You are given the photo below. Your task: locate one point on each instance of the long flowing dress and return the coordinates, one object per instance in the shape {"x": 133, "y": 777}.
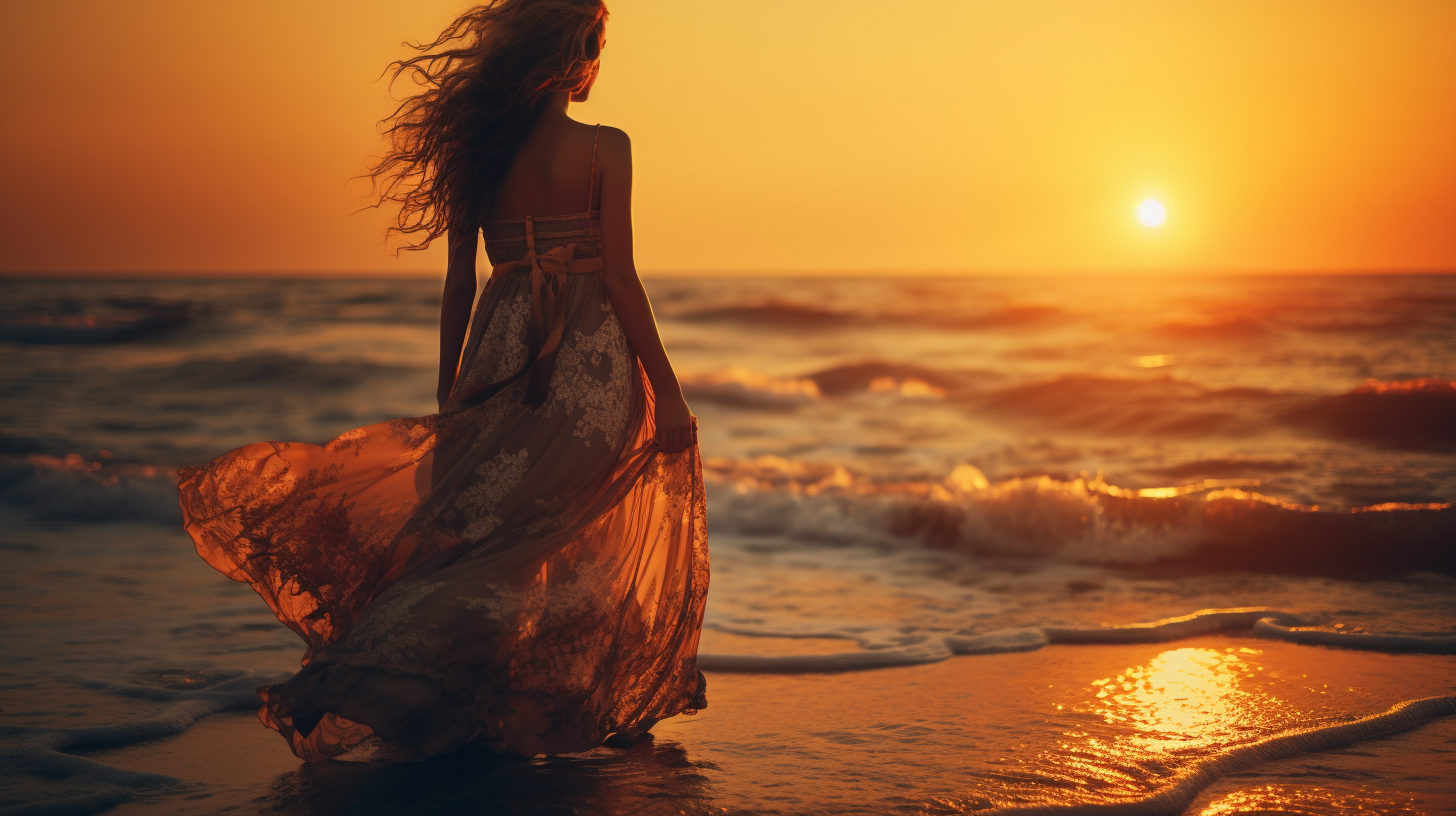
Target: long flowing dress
{"x": 525, "y": 571}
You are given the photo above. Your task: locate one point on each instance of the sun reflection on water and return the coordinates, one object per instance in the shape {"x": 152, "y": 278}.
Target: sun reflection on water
{"x": 1186, "y": 699}
{"x": 1137, "y": 730}
{"x": 1311, "y": 800}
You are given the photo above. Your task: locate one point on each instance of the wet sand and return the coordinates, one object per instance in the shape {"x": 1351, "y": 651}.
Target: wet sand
{"x": 961, "y": 735}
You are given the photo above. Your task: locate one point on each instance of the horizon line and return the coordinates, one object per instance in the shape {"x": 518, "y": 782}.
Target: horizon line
{"x": 860, "y": 273}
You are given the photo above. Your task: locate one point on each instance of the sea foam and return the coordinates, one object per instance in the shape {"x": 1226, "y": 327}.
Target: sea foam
{"x": 1186, "y": 784}
{"x": 873, "y": 654}
{"x": 1209, "y": 525}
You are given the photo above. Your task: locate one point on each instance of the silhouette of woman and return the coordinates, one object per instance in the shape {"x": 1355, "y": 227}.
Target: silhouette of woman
{"x": 525, "y": 570}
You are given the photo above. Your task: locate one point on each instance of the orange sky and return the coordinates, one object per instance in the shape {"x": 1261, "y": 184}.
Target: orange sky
{"x": 801, "y": 136}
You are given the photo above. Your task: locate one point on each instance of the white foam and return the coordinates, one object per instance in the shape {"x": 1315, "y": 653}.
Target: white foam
{"x": 1211, "y": 524}
{"x": 1377, "y": 642}
{"x": 929, "y": 651}
{"x": 1202, "y": 622}
{"x": 877, "y": 653}
{"x": 1040, "y": 517}
{"x": 1186, "y": 785}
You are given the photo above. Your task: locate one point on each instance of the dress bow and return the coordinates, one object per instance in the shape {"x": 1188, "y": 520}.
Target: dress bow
{"x": 548, "y": 315}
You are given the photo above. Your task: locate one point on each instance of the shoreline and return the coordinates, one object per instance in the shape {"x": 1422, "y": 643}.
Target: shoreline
{"x": 952, "y": 736}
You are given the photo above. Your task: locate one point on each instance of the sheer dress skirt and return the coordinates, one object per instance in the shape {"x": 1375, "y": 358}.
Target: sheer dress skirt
{"x": 526, "y": 577}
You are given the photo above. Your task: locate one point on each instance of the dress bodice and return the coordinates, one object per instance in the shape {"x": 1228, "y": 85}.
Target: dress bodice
{"x": 509, "y": 240}
{"x": 545, "y": 248}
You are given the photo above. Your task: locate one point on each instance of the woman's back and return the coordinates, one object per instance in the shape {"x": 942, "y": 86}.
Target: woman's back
{"x": 552, "y": 172}
{"x": 526, "y": 570}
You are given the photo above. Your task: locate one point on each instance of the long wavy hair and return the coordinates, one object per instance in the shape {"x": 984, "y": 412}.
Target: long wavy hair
{"x": 482, "y": 84}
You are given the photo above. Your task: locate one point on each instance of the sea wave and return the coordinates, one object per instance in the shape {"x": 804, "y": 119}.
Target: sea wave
{"x": 875, "y": 375}
{"x": 1209, "y": 525}
{"x": 1223, "y": 468}
{"x": 1006, "y": 318}
{"x": 742, "y": 388}
{"x": 786, "y": 314}
{"x": 1228, "y": 329}
{"x": 790, "y": 314}
{"x": 1159, "y": 406}
{"x": 131, "y": 318}
{"x": 1404, "y": 414}
{"x": 74, "y": 488}
{"x": 1408, "y": 414}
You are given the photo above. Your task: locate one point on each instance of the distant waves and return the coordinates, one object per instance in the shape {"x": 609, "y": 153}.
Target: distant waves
{"x": 1410, "y": 414}
{"x": 1405, "y": 414}
{"x": 1213, "y": 525}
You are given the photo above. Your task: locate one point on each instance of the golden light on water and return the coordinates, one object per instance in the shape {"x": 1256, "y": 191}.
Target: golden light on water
{"x": 1137, "y": 729}
{"x": 1297, "y": 798}
{"x": 908, "y": 387}
{"x": 1152, "y": 213}
{"x": 1184, "y": 698}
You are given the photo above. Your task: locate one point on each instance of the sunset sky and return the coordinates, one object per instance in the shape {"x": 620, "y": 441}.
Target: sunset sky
{"x": 770, "y": 136}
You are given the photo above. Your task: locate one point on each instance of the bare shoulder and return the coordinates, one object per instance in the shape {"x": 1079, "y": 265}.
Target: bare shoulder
{"x": 614, "y": 147}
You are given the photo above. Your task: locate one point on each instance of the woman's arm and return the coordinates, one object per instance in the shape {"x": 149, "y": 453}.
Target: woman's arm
{"x": 455, "y": 307}
{"x": 629, "y": 299}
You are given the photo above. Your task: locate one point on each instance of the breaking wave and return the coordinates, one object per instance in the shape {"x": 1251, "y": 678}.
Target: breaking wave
{"x": 1210, "y": 525}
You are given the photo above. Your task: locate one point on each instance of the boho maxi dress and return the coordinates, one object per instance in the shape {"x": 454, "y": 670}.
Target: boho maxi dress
{"x": 524, "y": 571}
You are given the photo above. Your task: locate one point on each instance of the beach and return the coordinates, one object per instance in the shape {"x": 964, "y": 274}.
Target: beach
{"x": 947, "y": 738}
{"x": 976, "y": 544}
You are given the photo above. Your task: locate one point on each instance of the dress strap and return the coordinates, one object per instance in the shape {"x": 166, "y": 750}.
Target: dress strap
{"x": 591, "y": 188}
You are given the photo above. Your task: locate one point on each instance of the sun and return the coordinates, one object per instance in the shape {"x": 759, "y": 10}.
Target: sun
{"x": 1151, "y": 213}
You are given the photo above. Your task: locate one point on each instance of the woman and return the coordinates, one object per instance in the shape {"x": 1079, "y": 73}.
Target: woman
{"x": 527, "y": 569}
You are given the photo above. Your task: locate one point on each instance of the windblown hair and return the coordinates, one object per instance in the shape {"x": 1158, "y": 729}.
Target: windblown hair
{"x": 483, "y": 82}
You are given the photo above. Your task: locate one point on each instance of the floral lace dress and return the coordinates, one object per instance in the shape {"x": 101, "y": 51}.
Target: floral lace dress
{"x": 525, "y": 570}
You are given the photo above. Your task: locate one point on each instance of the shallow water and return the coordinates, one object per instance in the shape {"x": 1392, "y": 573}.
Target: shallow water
{"x": 900, "y": 472}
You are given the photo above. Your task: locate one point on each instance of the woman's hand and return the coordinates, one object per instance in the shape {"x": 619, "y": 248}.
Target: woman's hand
{"x": 677, "y": 428}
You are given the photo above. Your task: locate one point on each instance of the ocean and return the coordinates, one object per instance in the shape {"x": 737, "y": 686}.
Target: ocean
{"x": 906, "y": 475}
